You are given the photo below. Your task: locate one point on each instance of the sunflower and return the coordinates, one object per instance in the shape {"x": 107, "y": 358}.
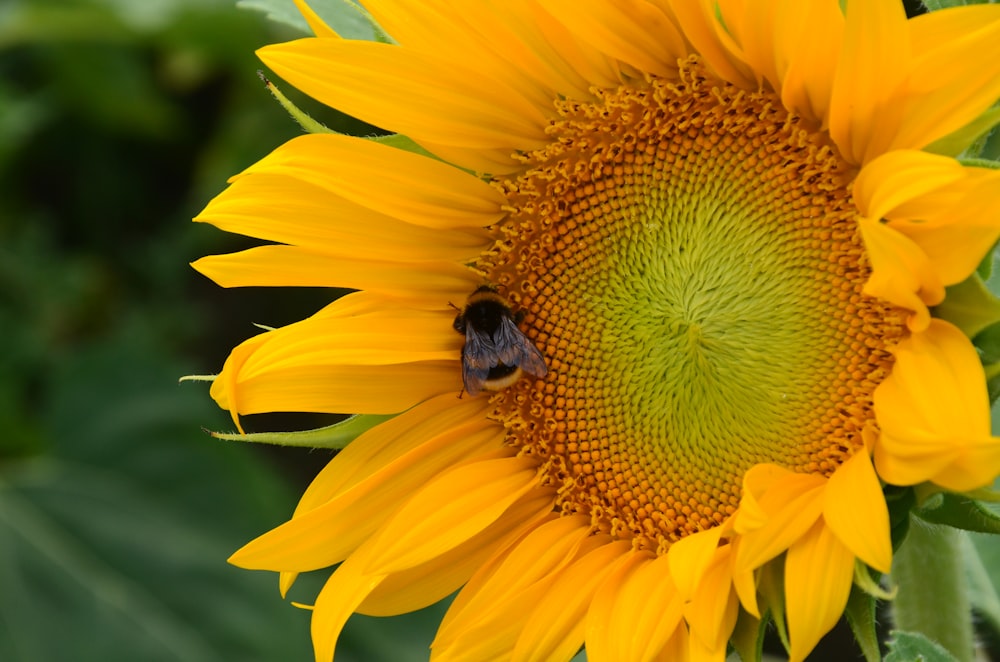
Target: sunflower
{"x": 725, "y": 226}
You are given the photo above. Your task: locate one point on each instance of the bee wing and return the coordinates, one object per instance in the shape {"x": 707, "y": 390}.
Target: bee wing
{"x": 477, "y": 359}
{"x": 515, "y": 349}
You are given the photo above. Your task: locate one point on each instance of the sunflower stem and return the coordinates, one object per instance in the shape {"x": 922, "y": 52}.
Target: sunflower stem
{"x": 933, "y": 597}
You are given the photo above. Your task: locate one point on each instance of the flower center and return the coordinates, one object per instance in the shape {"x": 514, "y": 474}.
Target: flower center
{"x": 688, "y": 260}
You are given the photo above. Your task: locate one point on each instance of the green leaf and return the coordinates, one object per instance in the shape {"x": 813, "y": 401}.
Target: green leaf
{"x": 123, "y": 526}
{"x": 333, "y": 437}
{"x": 915, "y": 647}
{"x": 970, "y": 306}
{"x": 968, "y": 137}
{"x": 346, "y": 18}
{"x": 959, "y": 512}
{"x": 860, "y": 614}
{"x": 982, "y": 564}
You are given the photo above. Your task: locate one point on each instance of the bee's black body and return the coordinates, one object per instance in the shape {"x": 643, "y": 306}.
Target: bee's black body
{"x": 496, "y": 352}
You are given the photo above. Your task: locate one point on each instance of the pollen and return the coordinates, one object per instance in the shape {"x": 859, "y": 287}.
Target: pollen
{"x": 687, "y": 257}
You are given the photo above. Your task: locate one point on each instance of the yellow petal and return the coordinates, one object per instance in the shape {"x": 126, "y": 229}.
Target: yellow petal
{"x": 701, "y": 26}
{"x": 792, "y": 505}
{"x": 318, "y": 26}
{"x": 744, "y": 583}
{"x": 425, "y": 584}
{"x": 495, "y": 639}
{"x": 390, "y": 181}
{"x": 956, "y": 72}
{"x": 291, "y": 266}
{"x": 808, "y": 39}
{"x": 697, "y": 651}
{"x": 604, "y": 641}
{"x": 901, "y": 272}
{"x": 874, "y": 63}
{"x": 647, "y": 613}
{"x": 325, "y": 535}
{"x": 527, "y": 37}
{"x": 690, "y": 557}
{"x": 933, "y": 411}
{"x": 501, "y": 38}
{"x": 711, "y": 614}
{"x": 959, "y": 225}
{"x": 854, "y": 509}
{"x": 337, "y": 600}
{"x": 379, "y": 338}
{"x": 593, "y": 66}
{"x": 555, "y": 628}
{"x": 288, "y": 210}
{"x": 895, "y": 178}
{"x": 295, "y": 368}
{"x": 531, "y": 563}
{"x": 818, "y": 575}
{"x": 634, "y": 32}
{"x": 756, "y": 25}
{"x": 542, "y": 551}
{"x": 449, "y": 510}
{"x": 421, "y": 95}
{"x": 756, "y": 482}
{"x": 444, "y": 416}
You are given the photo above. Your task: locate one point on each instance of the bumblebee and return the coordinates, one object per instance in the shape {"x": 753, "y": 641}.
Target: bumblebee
{"x": 496, "y": 352}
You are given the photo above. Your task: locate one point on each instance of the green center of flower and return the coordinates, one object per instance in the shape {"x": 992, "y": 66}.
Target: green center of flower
{"x": 689, "y": 262}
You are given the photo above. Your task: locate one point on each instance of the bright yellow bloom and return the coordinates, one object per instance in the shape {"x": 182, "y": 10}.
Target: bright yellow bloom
{"x": 726, "y": 224}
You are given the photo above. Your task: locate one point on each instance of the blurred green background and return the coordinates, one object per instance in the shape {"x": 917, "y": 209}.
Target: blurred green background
{"x": 119, "y": 120}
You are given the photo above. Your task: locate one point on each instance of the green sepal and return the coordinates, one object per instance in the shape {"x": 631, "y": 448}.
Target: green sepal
{"x": 985, "y": 268}
{"x": 959, "y": 512}
{"x": 309, "y": 125}
{"x": 860, "y": 615}
{"x": 987, "y": 342}
{"x": 198, "y": 378}
{"x": 993, "y": 383}
{"x": 980, "y": 163}
{"x": 399, "y": 141}
{"x": 970, "y": 306}
{"x": 771, "y": 586}
{"x": 989, "y": 147}
{"x": 900, "y": 501}
{"x": 302, "y": 118}
{"x": 912, "y": 646}
{"x": 333, "y": 437}
{"x": 967, "y": 137}
{"x": 869, "y": 584}
{"x": 936, "y": 5}
{"x": 748, "y": 636}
